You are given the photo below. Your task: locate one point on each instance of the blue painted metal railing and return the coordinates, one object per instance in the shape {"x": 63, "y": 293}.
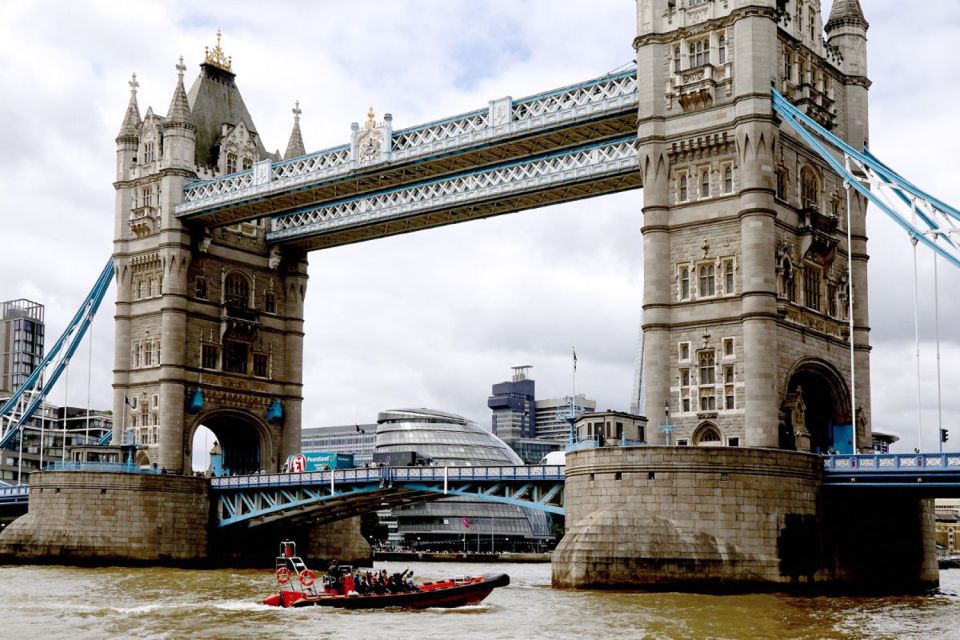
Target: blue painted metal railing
{"x": 14, "y": 494}
{"x": 893, "y": 463}
{"x": 102, "y": 467}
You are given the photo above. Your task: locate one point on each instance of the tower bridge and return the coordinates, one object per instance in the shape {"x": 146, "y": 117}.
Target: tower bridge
{"x": 746, "y": 124}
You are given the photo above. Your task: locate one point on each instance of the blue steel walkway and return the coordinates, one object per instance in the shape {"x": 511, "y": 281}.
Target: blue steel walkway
{"x": 333, "y": 495}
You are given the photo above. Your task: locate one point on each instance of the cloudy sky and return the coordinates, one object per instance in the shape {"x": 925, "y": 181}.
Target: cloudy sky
{"x": 431, "y": 319}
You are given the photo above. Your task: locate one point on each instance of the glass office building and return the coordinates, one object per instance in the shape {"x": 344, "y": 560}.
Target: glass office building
{"x": 456, "y": 524}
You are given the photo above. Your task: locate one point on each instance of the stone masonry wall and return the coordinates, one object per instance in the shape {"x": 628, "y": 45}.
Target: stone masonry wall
{"x": 658, "y": 517}
{"x": 100, "y": 518}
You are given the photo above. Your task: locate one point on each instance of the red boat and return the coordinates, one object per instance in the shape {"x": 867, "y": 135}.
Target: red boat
{"x": 300, "y": 587}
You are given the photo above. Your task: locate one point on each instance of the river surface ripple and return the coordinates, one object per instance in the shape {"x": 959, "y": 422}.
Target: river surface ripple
{"x": 65, "y": 602}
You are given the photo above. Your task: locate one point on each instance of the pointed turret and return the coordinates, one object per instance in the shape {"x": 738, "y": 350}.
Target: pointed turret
{"x": 179, "y": 111}
{"x": 179, "y": 131}
{"x": 130, "y": 129}
{"x": 295, "y": 147}
{"x": 846, "y": 13}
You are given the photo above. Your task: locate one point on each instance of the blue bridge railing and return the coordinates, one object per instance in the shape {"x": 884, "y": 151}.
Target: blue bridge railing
{"x": 103, "y": 467}
{"x": 893, "y": 462}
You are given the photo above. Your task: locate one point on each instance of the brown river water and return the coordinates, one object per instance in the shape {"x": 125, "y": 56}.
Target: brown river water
{"x": 64, "y": 602}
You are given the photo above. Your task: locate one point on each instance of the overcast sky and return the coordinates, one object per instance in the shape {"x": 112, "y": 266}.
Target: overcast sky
{"x": 433, "y": 318}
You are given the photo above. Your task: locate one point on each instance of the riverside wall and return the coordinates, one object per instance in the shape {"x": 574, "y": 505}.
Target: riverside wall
{"x": 733, "y": 519}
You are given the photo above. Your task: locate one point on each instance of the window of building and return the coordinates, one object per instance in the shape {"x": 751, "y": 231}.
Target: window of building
{"x": 152, "y": 286}
{"x": 733, "y": 442}
{"x": 247, "y": 164}
{"x": 136, "y": 356}
{"x": 811, "y": 287}
{"x": 722, "y": 49}
{"x": 155, "y": 400}
{"x": 705, "y": 183}
{"x": 684, "y": 351}
{"x": 708, "y": 280}
{"x": 728, "y": 347}
{"x": 787, "y": 65}
{"x": 684, "y": 281}
{"x": 729, "y": 286}
{"x": 832, "y": 300}
{"x": 728, "y": 178}
{"x": 708, "y": 435}
{"x": 676, "y": 59}
{"x": 156, "y": 353}
{"x": 261, "y": 362}
{"x": 235, "y": 357}
{"x": 149, "y": 152}
{"x": 708, "y": 399}
{"x": 707, "y": 361}
{"x": 813, "y": 23}
{"x": 729, "y": 396}
{"x": 231, "y": 163}
{"x": 699, "y": 51}
{"x": 236, "y": 291}
{"x": 200, "y": 287}
{"x": 683, "y": 190}
{"x": 209, "y": 356}
{"x": 782, "y": 178}
{"x": 684, "y": 390}
{"x": 270, "y": 302}
{"x": 809, "y": 189}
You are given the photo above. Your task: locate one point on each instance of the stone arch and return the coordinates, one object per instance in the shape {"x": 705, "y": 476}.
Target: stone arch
{"x": 244, "y": 438}
{"x": 142, "y": 459}
{"x": 708, "y": 434}
{"x": 814, "y": 407}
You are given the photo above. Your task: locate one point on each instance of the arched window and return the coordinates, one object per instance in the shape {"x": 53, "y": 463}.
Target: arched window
{"x": 684, "y": 191}
{"x": 699, "y": 53}
{"x": 236, "y": 291}
{"x": 708, "y": 280}
{"x": 705, "y": 183}
{"x": 728, "y": 179}
{"x": 809, "y": 189}
{"x": 722, "y": 49}
{"x": 708, "y": 435}
{"x": 247, "y": 164}
{"x": 676, "y": 59}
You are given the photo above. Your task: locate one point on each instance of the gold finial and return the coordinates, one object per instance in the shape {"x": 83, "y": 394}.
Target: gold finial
{"x": 371, "y": 122}
{"x": 216, "y": 57}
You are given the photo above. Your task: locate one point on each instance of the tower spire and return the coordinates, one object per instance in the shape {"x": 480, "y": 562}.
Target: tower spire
{"x": 295, "y": 146}
{"x": 846, "y": 12}
{"x": 130, "y": 128}
{"x": 179, "y": 111}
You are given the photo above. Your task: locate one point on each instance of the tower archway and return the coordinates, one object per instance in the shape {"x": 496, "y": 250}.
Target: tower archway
{"x": 815, "y": 410}
{"x": 243, "y": 439}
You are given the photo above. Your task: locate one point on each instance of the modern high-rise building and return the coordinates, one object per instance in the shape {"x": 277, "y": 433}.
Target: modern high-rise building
{"x": 21, "y": 342}
{"x": 512, "y": 403}
{"x": 360, "y": 440}
{"x": 552, "y": 420}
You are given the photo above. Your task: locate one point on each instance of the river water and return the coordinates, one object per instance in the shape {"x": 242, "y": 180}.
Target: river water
{"x": 66, "y": 602}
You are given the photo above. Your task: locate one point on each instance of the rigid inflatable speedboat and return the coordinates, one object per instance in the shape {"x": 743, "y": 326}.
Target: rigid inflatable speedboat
{"x": 300, "y": 587}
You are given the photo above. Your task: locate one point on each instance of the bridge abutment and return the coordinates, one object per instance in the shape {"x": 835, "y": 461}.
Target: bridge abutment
{"x": 732, "y": 519}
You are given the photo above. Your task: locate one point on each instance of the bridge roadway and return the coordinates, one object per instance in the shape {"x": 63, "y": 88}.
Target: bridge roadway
{"x": 326, "y": 496}
{"x": 561, "y": 145}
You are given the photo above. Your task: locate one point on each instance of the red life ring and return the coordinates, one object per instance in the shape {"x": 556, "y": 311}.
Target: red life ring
{"x": 283, "y": 575}
{"x": 307, "y": 577}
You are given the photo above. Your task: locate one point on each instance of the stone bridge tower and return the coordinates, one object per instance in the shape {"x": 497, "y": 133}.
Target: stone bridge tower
{"x": 746, "y": 278}
{"x": 209, "y": 321}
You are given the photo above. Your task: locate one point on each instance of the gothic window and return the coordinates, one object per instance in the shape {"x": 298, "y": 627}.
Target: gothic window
{"x": 809, "y": 189}
{"x": 155, "y": 401}
{"x": 789, "y": 280}
{"x": 153, "y": 287}
{"x": 261, "y": 363}
{"x": 136, "y": 356}
{"x": 270, "y": 302}
{"x": 832, "y": 300}
{"x": 722, "y": 49}
{"x": 684, "y": 278}
{"x": 707, "y": 436}
{"x": 728, "y": 179}
{"x": 811, "y": 287}
{"x": 705, "y": 183}
{"x": 147, "y": 355}
{"x": 787, "y": 65}
{"x": 200, "y": 287}
{"x": 708, "y": 374}
{"x": 234, "y": 357}
{"x": 708, "y": 399}
{"x": 699, "y": 51}
{"x": 209, "y": 356}
{"x": 708, "y": 280}
{"x": 728, "y": 281}
{"x": 813, "y": 22}
{"x": 683, "y": 190}
{"x": 728, "y": 387}
{"x": 683, "y": 352}
{"x": 247, "y": 164}
{"x": 231, "y": 163}
{"x": 141, "y": 289}
{"x": 236, "y": 291}
{"x": 684, "y": 390}
{"x": 156, "y": 353}
{"x": 782, "y": 177}
{"x": 676, "y": 59}
{"x": 149, "y": 152}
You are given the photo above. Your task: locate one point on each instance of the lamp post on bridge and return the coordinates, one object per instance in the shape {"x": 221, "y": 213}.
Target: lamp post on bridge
{"x": 666, "y": 427}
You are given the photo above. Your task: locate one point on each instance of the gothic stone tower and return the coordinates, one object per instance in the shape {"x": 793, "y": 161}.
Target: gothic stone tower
{"x": 745, "y": 252}
{"x": 209, "y": 322}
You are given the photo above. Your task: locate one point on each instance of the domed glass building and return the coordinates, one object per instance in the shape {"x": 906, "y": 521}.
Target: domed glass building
{"x": 456, "y": 523}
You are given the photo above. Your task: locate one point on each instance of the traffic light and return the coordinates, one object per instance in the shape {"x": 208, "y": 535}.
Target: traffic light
{"x": 944, "y": 435}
